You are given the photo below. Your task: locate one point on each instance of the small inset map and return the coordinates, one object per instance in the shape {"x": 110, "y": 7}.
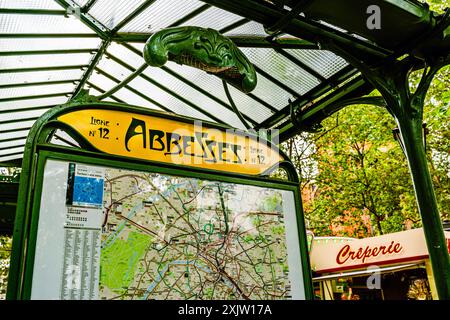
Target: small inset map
{"x": 87, "y": 191}
{"x": 85, "y": 186}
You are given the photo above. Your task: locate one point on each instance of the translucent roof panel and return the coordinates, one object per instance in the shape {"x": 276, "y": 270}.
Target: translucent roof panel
{"x": 13, "y": 135}
{"x": 113, "y": 68}
{"x": 10, "y": 158}
{"x": 126, "y": 55}
{"x": 16, "y": 125}
{"x": 270, "y": 93}
{"x": 14, "y": 143}
{"x": 282, "y": 69}
{"x": 161, "y": 14}
{"x": 166, "y": 99}
{"x": 21, "y": 115}
{"x": 17, "y": 23}
{"x": 33, "y": 44}
{"x": 135, "y": 99}
{"x": 81, "y": 3}
{"x": 40, "y": 76}
{"x": 30, "y": 4}
{"x": 44, "y": 60}
{"x": 195, "y": 96}
{"x": 213, "y": 18}
{"x": 102, "y": 81}
{"x": 214, "y": 86}
{"x": 250, "y": 28}
{"x": 9, "y": 151}
{"x": 119, "y": 72}
{"x": 110, "y": 13}
{"x": 62, "y": 138}
{"x": 28, "y": 103}
{"x": 36, "y": 90}
{"x": 324, "y": 62}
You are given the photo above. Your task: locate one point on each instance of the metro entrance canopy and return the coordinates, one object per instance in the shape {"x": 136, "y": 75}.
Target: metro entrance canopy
{"x": 312, "y": 58}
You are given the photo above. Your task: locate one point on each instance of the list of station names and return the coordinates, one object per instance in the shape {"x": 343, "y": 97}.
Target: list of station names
{"x": 81, "y": 264}
{"x": 82, "y": 241}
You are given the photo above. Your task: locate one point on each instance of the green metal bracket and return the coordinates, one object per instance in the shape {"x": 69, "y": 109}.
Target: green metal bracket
{"x": 86, "y": 18}
{"x": 205, "y": 49}
{"x": 83, "y": 97}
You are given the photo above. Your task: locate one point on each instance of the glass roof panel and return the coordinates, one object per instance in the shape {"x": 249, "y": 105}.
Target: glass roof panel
{"x": 10, "y": 151}
{"x": 193, "y": 95}
{"x": 282, "y": 69}
{"x": 110, "y": 13}
{"x": 160, "y": 15}
{"x": 13, "y": 144}
{"x": 62, "y": 138}
{"x": 16, "y": 23}
{"x": 28, "y": 103}
{"x": 167, "y": 100}
{"x": 126, "y": 55}
{"x": 81, "y": 3}
{"x": 213, "y": 85}
{"x": 134, "y": 99}
{"x": 110, "y": 100}
{"x": 29, "y": 4}
{"x": 113, "y": 68}
{"x": 44, "y": 60}
{"x": 33, "y": 44}
{"x": 213, "y": 18}
{"x": 250, "y": 28}
{"x": 40, "y": 76}
{"x": 210, "y": 83}
{"x": 21, "y": 115}
{"x": 10, "y": 158}
{"x": 13, "y": 135}
{"x": 102, "y": 81}
{"x": 36, "y": 90}
{"x": 270, "y": 93}
{"x": 324, "y": 62}
{"x": 250, "y": 107}
{"x": 17, "y": 125}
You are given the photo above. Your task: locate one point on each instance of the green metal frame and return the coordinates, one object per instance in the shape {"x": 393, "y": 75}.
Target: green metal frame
{"x": 38, "y": 150}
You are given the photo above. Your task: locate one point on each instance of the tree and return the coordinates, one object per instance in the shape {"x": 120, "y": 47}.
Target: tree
{"x": 362, "y": 185}
{"x": 355, "y": 179}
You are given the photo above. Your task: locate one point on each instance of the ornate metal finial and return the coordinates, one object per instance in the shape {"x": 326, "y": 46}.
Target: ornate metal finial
{"x": 205, "y": 49}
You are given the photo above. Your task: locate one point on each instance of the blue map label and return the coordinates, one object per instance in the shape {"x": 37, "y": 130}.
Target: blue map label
{"x": 85, "y": 186}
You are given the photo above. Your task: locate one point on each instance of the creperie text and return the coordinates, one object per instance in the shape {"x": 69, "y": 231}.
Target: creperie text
{"x": 346, "y": 253}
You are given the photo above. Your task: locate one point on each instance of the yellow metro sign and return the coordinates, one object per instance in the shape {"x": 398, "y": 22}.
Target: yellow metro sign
{"x": 160, "y": 139}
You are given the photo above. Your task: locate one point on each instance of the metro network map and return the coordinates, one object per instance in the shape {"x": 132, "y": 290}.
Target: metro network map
{"x": 167, "y": 237}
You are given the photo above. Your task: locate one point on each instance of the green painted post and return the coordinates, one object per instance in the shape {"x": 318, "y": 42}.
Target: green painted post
{"x": 407, "y": 109}
{"x": 411, "y": 131}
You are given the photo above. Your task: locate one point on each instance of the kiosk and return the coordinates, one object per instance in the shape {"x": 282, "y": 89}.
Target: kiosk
{"x": 394, "y": 266}
{"x": 119, "y": 202}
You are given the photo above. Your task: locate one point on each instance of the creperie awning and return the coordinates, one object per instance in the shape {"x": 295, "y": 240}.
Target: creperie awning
{"x": 390, "y": 249}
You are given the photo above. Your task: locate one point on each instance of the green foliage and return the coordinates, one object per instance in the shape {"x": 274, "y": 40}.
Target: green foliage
{"x": 5, "y": 254}
{"x": 362, "y": 178}
{"x": 438, "y": 5}
{"x": 355, "y": 179}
